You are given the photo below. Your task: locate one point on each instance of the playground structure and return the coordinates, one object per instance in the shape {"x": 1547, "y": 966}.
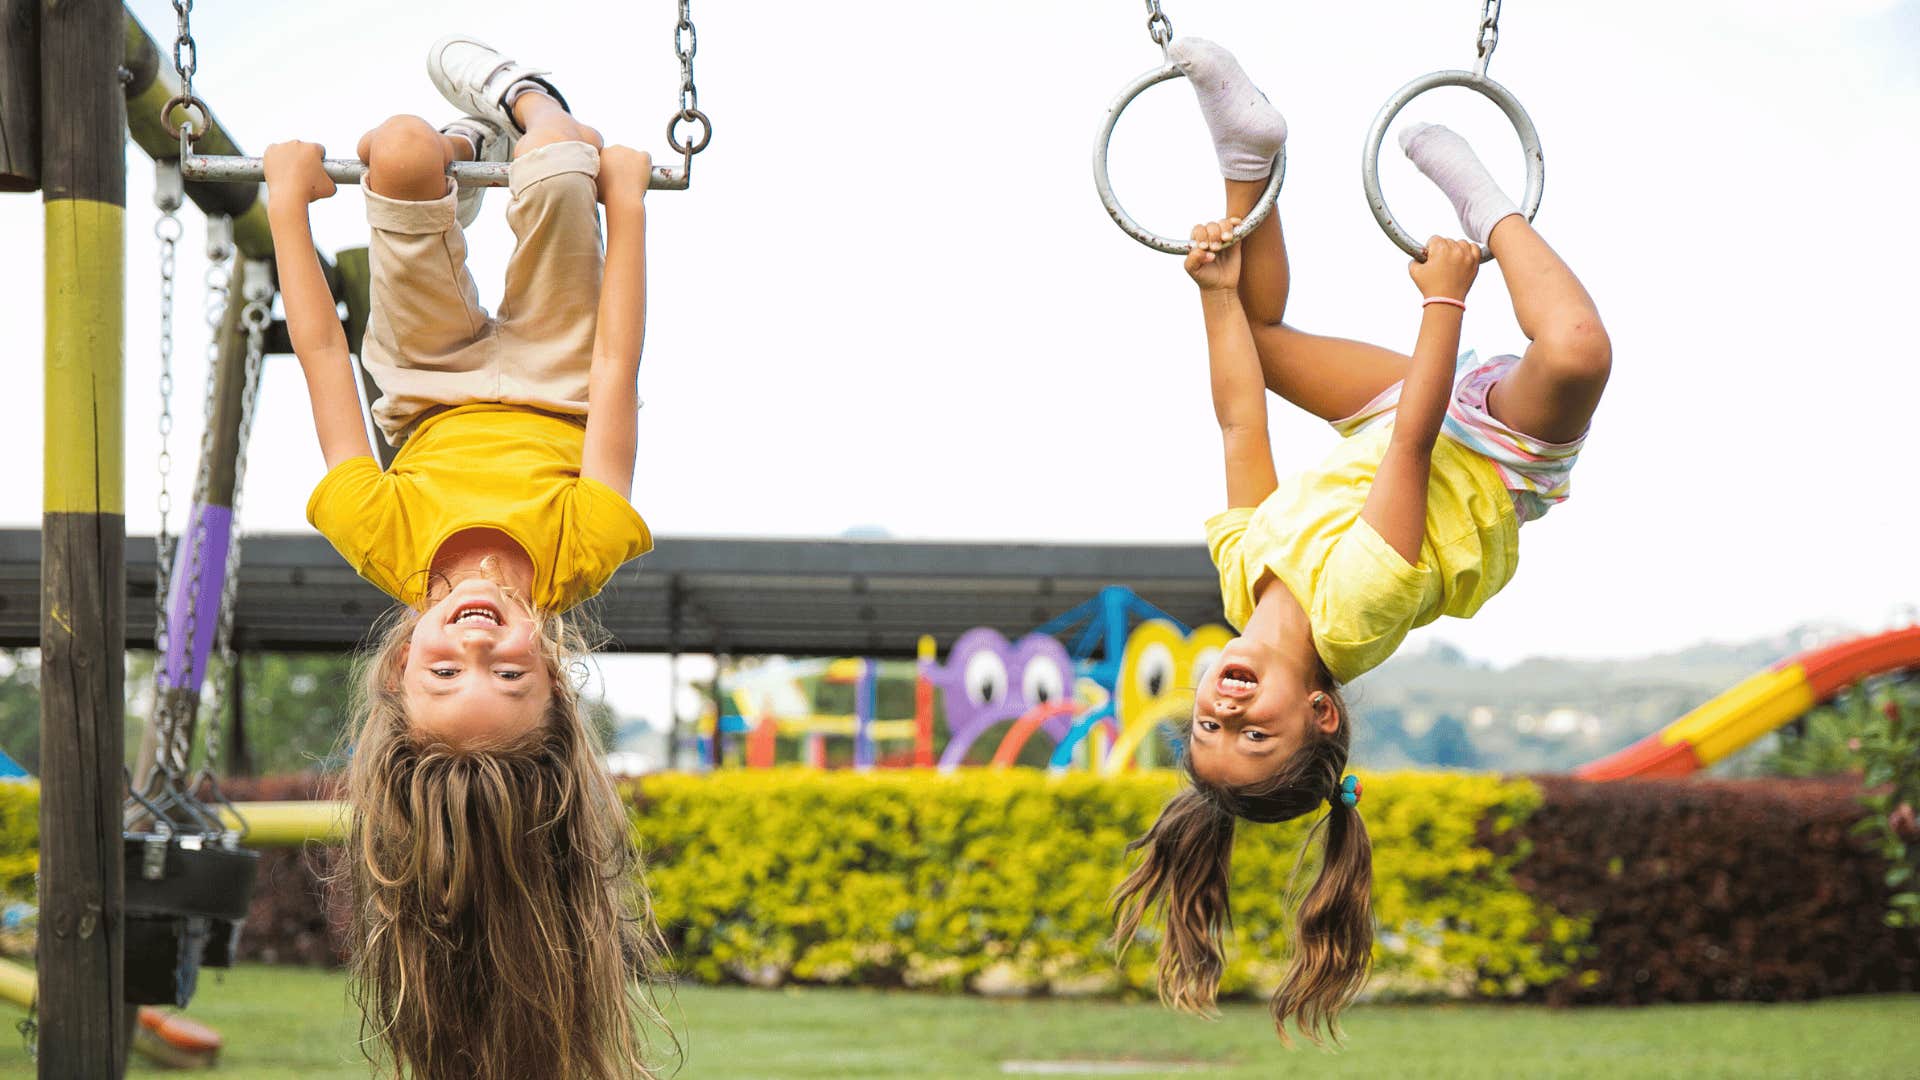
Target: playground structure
{"x": 1124, "y": 668}
{"x": 1761, "y": 704}
{"x": 132, "y": 909}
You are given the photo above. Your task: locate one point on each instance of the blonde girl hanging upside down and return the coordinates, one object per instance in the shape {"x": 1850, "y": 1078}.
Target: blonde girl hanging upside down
{"x": 500, "y": 926}
{"x": 1415, "y": 514}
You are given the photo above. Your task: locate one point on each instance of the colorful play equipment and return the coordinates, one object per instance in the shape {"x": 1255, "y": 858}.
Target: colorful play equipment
{"x": 1782, "y": 693}
{"x": 772, "y": 700}
{"x": 1095, "y": 681}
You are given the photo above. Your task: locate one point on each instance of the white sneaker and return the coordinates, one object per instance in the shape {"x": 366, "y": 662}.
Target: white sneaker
{"x": 490, "y": 142}
{"x": 476, "y": 78}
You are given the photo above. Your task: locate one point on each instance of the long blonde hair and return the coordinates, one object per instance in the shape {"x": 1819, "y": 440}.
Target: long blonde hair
{"x": 501, "y": 928}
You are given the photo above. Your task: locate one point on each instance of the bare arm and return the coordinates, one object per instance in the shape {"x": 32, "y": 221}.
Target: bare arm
{"x": 1239, "y": 386}
{"x": 1396, "y": 507}
{"x": 613, "y": 401}
{"x": 294, "y": 181}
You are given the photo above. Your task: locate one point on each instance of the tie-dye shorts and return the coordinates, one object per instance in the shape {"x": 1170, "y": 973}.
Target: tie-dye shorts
{"x": 1537, "y": 473}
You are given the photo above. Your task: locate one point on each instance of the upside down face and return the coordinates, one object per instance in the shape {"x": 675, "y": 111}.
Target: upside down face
{"x": 475, "y": 673}
{"x": 1251, "y": 712}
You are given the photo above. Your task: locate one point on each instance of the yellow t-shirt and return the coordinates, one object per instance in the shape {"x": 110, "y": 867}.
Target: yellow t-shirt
{"x": 481, "y": 466}
{"x": 1360, "y": 596}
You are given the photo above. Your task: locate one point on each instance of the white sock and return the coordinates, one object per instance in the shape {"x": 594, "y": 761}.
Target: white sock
{"x": 523, "y": 86}
{"x": 1450, "y": 163}
{"x": 1247, "y": 130}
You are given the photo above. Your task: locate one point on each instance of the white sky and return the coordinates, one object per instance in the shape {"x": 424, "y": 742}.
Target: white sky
{"x": 892, "y": 298}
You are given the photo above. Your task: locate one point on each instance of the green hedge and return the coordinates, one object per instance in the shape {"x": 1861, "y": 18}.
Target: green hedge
{"x": 19, "y": 838}
{"x": 997, "y": 881}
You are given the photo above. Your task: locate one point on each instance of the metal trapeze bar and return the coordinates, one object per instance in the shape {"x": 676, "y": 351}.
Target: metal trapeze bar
{"x": 218, "y": 169}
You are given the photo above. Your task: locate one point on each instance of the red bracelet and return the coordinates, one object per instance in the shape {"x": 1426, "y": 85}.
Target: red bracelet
{"x": 1461, "y": 304}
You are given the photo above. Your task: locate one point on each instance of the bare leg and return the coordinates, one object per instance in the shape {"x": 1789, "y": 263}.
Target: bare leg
{"x": 1328, "y": 377}
{"x": 407, "y": 158}
{"x": 545, "y": 122}
{"x": 1553, "y": 391}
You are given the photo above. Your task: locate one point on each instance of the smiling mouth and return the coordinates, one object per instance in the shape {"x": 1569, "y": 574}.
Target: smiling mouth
{"x": 476, "y": 614}
{"x": 1237, "y": 680}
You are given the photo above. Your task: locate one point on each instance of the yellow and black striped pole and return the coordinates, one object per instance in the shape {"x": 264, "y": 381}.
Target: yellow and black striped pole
{"x": 83, "y": 541}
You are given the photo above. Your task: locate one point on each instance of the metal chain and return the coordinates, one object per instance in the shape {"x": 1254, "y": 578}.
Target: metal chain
{"x": 186, "y": 51}
{"x": 175, "y": 747}
{"x": 186, "y": 61}
{"x": 168, "y": 195}
{"x": 257, "y": 289}
{"x": 686, "y": 42}
{"x": 1488, "y": 36}
{"x": 1159, "y": 27}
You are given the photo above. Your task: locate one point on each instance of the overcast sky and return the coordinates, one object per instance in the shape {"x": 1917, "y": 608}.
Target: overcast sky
{"x": 892, "y": 299}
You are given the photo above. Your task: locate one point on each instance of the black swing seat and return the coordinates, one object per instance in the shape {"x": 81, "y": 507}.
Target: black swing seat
{"x": 187, "y": 898}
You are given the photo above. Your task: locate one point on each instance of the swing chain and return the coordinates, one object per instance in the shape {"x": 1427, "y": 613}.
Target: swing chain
{"x": 168, "y": 196}
{"x": 1159, "y": 27}
{"x": 186, "y": 51}
{"x": 257, "y": 290}
{"x": 686, "y": 42}
{"x": 186, "y": 61}
{"x": 1488, "y": 37}
{"x": 174, "y": 748}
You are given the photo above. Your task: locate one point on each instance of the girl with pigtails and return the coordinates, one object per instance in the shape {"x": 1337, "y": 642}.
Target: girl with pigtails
{"x": 1414, "y": 514}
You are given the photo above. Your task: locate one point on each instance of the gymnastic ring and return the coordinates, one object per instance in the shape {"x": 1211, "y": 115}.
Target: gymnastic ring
{"x": 1485, "y": 87}
{"x": 1133, "y": 228}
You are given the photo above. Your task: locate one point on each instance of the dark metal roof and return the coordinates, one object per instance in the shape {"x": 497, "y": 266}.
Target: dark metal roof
{"x": 697, "y": 594}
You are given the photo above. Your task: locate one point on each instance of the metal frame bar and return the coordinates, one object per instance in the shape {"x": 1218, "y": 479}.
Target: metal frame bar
{"x": 227, "y": 169}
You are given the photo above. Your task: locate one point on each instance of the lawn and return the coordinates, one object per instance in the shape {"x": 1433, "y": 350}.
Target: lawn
{"x": 287, "y": 1023}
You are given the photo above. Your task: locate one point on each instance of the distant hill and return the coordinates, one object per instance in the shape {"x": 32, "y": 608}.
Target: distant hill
{"x": 1441, "y": 708}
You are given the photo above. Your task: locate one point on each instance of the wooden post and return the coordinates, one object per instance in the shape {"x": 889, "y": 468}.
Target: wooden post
{"x": 239, "y": 753}
{"x": 83, "y": 590}
{"x": 19, "y": 95}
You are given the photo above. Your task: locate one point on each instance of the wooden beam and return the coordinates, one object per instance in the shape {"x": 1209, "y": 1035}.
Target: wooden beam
{"x": 83, "y": 561}
{"x": 19, "y": 95}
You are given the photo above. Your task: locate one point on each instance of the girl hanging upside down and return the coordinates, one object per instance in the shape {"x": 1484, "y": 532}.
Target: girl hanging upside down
{"x": 500, "y": 926}
{"x": 1415, "y": 514}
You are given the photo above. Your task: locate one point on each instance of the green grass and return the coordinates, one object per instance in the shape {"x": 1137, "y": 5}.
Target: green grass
{"x": 287, "y": 1023}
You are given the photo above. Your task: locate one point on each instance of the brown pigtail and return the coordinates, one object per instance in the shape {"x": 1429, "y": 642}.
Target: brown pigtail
{"x": 1333, "y": 932}
{"x": 1183, "y": 878}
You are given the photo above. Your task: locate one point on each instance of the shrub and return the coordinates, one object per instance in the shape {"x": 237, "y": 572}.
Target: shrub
{"x": 998, "y": 880}
{"x": 1699, "y": 890}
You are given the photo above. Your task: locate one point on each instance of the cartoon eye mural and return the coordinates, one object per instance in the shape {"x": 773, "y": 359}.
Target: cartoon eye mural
{"x": 1153, "y": 671}
{"x": 1159, "y": 670}
{"x": 1043, "y": 681}
{"x": 1203, "y": 662}
{"x": 985, "y": 678}
{"x": 980, "y": 692}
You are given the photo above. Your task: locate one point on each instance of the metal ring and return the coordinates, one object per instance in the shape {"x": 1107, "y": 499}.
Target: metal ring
{"x": 188, "y": 101}
{"x": 1133, "y": 228}
{"x": 1485, "y": 87}
{"x": 689, "y": 116}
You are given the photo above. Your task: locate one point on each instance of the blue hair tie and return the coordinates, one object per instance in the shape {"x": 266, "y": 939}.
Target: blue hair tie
{"x": 1349, "y": 790}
